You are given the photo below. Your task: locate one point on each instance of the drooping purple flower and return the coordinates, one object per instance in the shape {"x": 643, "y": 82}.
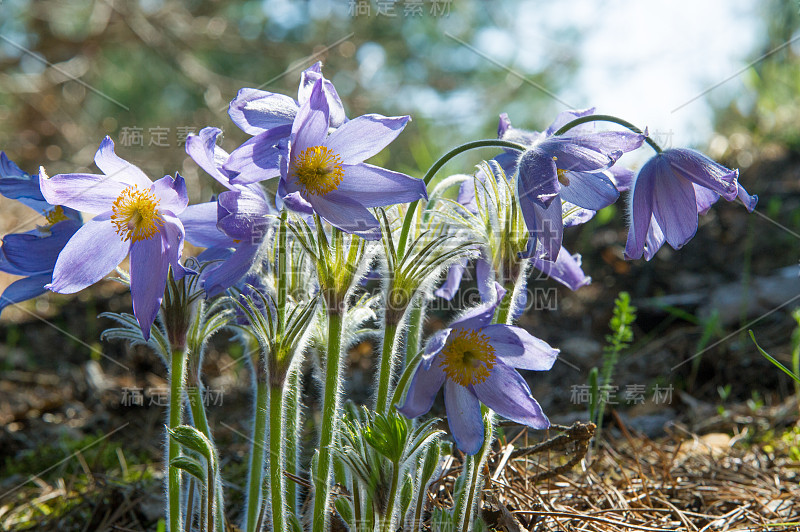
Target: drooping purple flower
{"x": 326, "y": 174}
{"x": 231, "y": 228}
{"x": 476, "y": 361}
{"x": 669, "y": 193}
{"x": 132, "y": 215}
{"x": 566, "y": 269}
{"x": 268, "y": 117}
{"x": 567, "y": 167}
{"x": 32, "y": 254}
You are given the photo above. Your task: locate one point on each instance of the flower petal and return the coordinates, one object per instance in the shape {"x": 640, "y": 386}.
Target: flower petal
{"x": 34, "y": 252}
{"x": 92, "y": 252}
{"x": 425, "y": 384}
{"x": 149, "y": 268}
{"x": 699, "y": 169}
{"x": 566, "y": 270}
{"x": 452, "y": 281}
{"x": 200, "y": 223}
{"x": 565, "y": 117}
{"x": 117, "y": 168}
{"x": 590, "y": 152}
{"x": 520, "y": 349}
{"x": 347, "y": 214}
{"x": 256, "y": 111}
{"x": 310, "y": 126}
{"x": 546, "y": 230}
{"x": 173, "y": 235}
{"x": 592, "y": 191}
{"x": 538, "y": 180}
{"x": 507, "y": 393}
{"x": 641, "y": 208}
{"x": 749, "y": 201}
{"x": 621, "y": 177}
{"x": 481, "y": 315}
{"x": 231, "y": 271}
{"x": 259, "y": 158}
{"x": 171, "y": 193}
{"x": 463, "y": 417}
{"x": 243, "y": 216}
{"x": 372, "y": 186}
{"x": 203, "y": 149}
{"x": 365, "y": 136}
{"x": 655, "y": 239}
{"x": 90, "y": 193}
{"x": 307, "y": 79}
{"x": 675, "y": 208}
{"x": 23, "y": 290}
{"x": 705, "y": 198}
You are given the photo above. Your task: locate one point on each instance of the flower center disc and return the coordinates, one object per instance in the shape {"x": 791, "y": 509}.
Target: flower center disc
{"x": 467, "y": 357}
{"x": 135, "y": 214}
{"x": 319, "y": 169}
{"x": 56, "y": 215}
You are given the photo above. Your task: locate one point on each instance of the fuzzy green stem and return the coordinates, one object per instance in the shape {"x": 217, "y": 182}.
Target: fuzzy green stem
{"x": 414, "y": 328}
{"x": 503, "y": 312}
{"x": 330, "y": 421}
{"x": 387, "y": 365}
{"x": 176, "y": 375}
{"x": 277, "y": 493}
{"x": 387, "y": 517}
{"x": 612, "y": 119}
{"x": 357, "y": 514}
{"x": 416, "y": 524}
{"x": 292, "y": 414}
{"x": 198, "y": 409}
{"x": 283, "y": 284}
{"x": 488, "y": 143}
{"x": 254, "y": 487}
{"x": 474, "y": 471}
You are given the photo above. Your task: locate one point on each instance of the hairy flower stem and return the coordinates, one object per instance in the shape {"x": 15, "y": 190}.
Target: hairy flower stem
{"x": 254, "y": 487}
{"x": 473, "y": 472}
{"x": 291, "y": 409}
{"x": 608, "y": 118}
{"x": 488, "y": 143}
{"x": 385, "y": 371}
{"x": 176, "y": 375}
{"x": 503, "y": 312}
{"x": 197, "y": 406}
{"x": 330, "y": 421}
{"x": 414, "y": 330}
{"x": 387, "y": 516}
{"x": 277, "y": 493}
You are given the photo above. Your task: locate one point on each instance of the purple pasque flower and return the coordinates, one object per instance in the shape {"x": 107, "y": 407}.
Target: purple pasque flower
{"x": 571, "y": 168}
{"x": 326, "y": 174}
{"x": 231, "y": 228}
{"x": 32, "y": 254}
{"x": 669, "y": 193}
{"x": 132, "y": 215}
{"x": 566, "y": 269}
{"x": 475, "y": 360}
{"x": 268, "y": 117}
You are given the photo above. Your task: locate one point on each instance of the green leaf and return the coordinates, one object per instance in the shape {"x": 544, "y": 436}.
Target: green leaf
{"x": 193, "y": 439}
{"x": 191, "y": 466}
{"x": 773, "y": 360}
{"x": 406, "y": 495}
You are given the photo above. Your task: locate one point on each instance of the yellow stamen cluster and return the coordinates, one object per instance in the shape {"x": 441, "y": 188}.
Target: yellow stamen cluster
{"x": 562, "y": 177}
{"x": 136, "y": 215}
{"x": 56, "y": 215}
{"x": 319, "y": 170}
{"x": 467, "y": 357}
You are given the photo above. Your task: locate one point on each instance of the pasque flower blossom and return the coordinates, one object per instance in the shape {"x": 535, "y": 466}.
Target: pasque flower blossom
{"x": 475, "y": 361}
{"x": 132, "y": 215}
{"x": 326, "y": 174}
{"x": 231, "y": 228}
{"x": 567, "y": 167}
{"x": 669, "y": 193}
{"x": 268, "y": 117}
{"x": 32, "y": 254}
